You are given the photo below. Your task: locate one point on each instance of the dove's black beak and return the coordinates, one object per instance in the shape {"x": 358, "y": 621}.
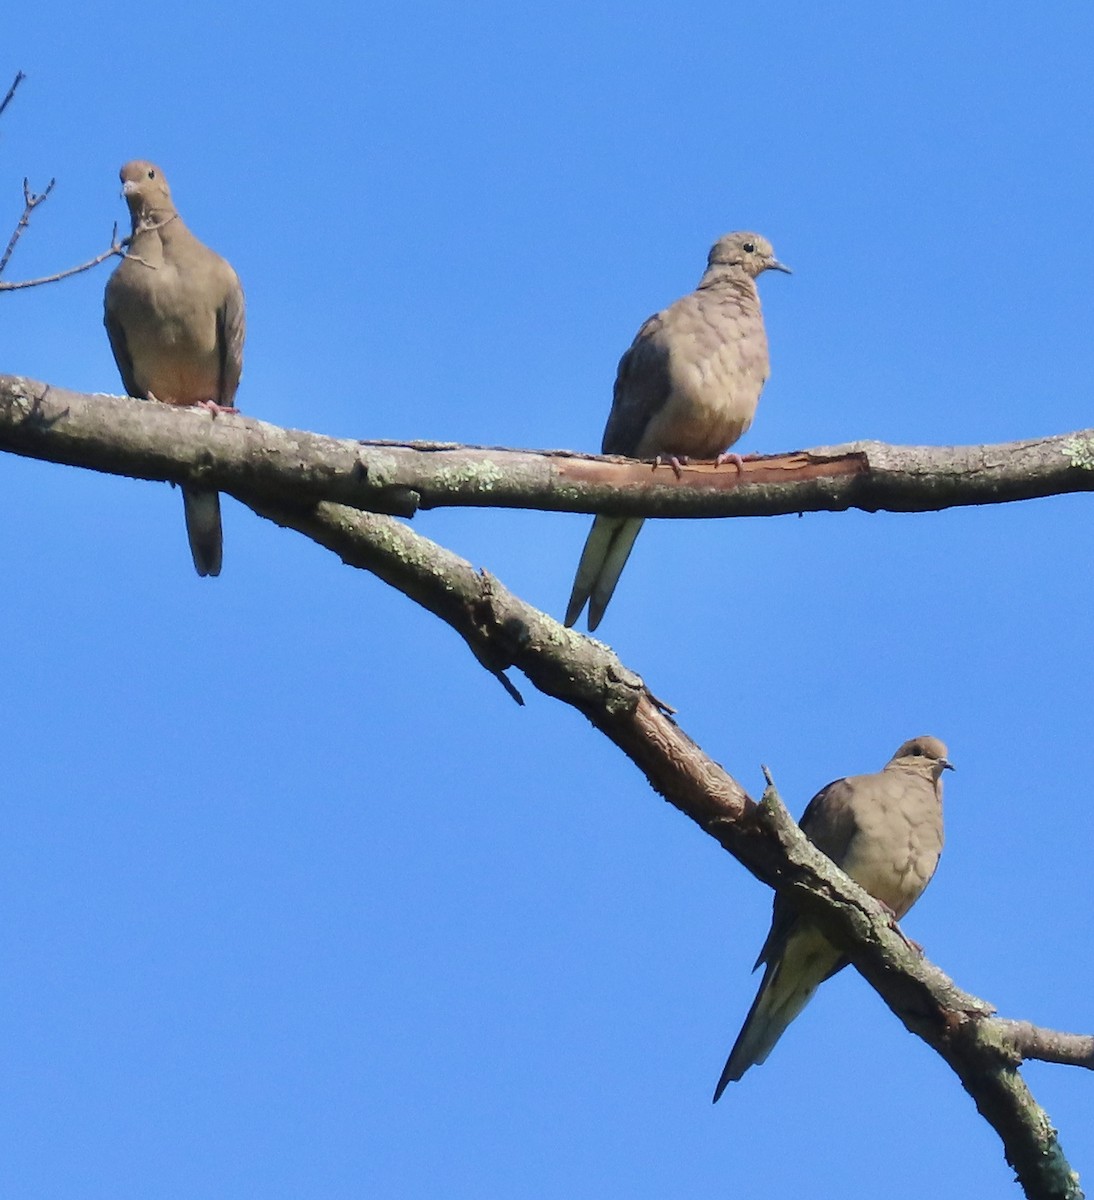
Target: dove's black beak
{"x": 947, "y": 765}
{"x": 773, "y": 264}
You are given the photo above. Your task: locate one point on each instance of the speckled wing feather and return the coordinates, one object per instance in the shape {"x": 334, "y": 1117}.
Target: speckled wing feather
{"x": 641, "y": 389}
{"x": 231, "y": 331}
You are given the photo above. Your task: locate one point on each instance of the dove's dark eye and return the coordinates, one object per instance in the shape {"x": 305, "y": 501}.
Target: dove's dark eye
{"x": 151, "y": 174}
{"x": 749, "y": 248}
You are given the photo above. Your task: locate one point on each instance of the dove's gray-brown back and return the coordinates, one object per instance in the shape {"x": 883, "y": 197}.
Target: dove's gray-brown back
{"x": 686, "y": 388}
{"x": 885, "y": 831}
{"x": 174, "y": 313}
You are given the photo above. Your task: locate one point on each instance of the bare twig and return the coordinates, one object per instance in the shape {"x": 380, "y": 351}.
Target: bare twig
{"x": 116, "y": 248}
{"x": 31, "y": 200}
{"x": 19, "y": 77}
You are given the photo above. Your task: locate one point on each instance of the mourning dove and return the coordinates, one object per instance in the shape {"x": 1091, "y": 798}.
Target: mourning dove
{"x": 687, "y": 387}
{"x": 174, "y": 314}
{"x": 885, "y": 831}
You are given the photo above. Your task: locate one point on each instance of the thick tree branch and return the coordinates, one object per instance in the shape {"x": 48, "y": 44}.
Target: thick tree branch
{"x": 503, "y": 631}
{"x": 243, "y": 456}
{"x": 289, "y": 477}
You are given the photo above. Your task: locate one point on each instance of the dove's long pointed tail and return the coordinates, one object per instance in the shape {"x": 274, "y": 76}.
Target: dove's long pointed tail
{"x": 203, "y": 529}
{"x": 788, "y": 985}
{"x": 607, "y": 549}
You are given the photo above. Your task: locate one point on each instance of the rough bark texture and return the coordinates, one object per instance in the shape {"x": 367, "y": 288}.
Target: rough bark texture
{"x": 245, "y": 457}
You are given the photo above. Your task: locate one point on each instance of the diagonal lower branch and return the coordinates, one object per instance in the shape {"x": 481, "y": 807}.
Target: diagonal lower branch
{"x": 503, "y": 631}
{"x": 247, "y": 457}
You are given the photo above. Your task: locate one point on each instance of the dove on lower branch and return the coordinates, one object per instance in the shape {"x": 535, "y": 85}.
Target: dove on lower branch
{"x": 885, "y": 831}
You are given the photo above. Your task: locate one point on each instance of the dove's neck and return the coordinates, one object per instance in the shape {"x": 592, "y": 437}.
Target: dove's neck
{"x": 730, "y": 280}
{"x": 149, "y": 220}
{"x": 931, "y": 772}
{"x": 152, "y": 230}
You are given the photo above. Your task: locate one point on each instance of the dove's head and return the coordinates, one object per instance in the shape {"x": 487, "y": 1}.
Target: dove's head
{"x": 145, "y": 189}
{"x": 751, "y": 252}
{"x": 925, "y": 752}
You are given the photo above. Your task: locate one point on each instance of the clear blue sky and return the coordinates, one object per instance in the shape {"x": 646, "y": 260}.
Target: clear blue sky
{"x": 295, "y": 901}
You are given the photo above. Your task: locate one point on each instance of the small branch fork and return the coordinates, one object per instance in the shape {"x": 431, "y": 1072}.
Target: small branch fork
{"x": 30, "y": 203}
{"x": 1031, "y": 1041}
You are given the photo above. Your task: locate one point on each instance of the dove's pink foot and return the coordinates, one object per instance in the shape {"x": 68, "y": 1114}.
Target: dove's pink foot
{"x": 912, "y": 945}
{"x": 672, "y": 461}
{"x": 216, "y": 409}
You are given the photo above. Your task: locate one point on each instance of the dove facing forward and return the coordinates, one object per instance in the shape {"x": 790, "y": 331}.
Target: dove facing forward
{"x": 686, "y": 388}
{"x": 174, "y": 314}
{"x": 883, "y": 830}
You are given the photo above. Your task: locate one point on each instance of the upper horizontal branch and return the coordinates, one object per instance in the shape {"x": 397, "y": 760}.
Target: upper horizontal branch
{"x": 243, "y": 456}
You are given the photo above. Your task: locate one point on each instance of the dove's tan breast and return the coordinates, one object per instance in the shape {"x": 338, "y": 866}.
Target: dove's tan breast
{"x": 716, "y": 360}
{"x": 899, "y": 839}
{"x": 171, "y": 333}
{"x": 711, "y": 403}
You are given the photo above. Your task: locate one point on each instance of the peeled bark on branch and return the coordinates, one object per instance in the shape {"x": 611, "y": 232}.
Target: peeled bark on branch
{"x": 245, "y": 457}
